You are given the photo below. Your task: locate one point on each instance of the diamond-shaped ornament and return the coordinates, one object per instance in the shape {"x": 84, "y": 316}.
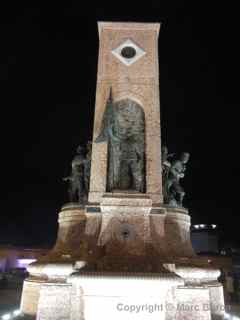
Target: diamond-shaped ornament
{"x": 128, "y": 52}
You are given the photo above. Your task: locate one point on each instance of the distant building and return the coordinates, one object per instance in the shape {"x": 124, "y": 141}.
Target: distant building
{"x": 18, "y": 258}
{"x": 205, "y": 241}
{"x": 205, "y": 238}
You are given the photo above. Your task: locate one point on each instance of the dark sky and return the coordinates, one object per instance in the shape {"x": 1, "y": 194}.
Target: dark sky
{"x": 48, "y": 79}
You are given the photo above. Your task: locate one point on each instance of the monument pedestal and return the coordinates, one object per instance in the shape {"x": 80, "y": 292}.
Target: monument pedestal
{"x": 122, "y": 241}
{"x": 132, "y": 226}
{"x": 122, "y": 295}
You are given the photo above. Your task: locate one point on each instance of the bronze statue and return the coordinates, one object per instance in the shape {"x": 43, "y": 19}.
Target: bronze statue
{"x": 173, "y": 191}
{"x": 123, "y": 129}
{"x": 79, "y": 179}
{"x": 166, "y": 165}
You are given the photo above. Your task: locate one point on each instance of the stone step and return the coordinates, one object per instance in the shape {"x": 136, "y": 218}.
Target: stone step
{"x": 124, "y": 199}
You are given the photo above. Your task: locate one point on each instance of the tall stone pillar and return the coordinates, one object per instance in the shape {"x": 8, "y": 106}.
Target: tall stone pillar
{"x": 128, "y": 63}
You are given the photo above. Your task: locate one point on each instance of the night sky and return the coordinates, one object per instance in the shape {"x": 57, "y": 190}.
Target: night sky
{"x": 48, "y": 79}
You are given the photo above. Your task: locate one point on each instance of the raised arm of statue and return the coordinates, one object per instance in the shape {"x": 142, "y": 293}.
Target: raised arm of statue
{"x": 176, "y": 169}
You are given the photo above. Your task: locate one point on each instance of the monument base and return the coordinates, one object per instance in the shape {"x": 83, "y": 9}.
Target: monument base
{"x": 86, "y": 295}
{"x": 86, "y": 259}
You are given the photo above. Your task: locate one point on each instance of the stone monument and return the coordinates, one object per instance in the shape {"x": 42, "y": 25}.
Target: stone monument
{"x": 129, "y": 245}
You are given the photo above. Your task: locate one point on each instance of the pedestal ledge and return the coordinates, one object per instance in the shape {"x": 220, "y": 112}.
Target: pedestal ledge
{"x": 126, "y": 203}
{"x": 72, "y": 205}
{"x": 197, "y": 273}
{"x": 177, "y": 210}
{"x": 51, "y": 269}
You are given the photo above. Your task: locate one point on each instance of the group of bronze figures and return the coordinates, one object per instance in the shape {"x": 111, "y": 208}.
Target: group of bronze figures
{"x": 172, "y": 171}
{"x": 123, "y": 128}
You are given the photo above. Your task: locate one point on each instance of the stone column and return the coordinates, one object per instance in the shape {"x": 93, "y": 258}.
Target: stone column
{"x": 135, "y": 78}
{"x": 54, "y": 301}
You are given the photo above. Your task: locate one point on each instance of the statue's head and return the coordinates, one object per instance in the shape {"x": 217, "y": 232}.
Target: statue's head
{"x": 80, "y": 150}
{"x": 185, "y": 157}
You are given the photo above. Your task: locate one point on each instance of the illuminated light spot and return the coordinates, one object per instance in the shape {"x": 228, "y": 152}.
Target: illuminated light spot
{"x": 23, "y": 263}
{"x": 66, "y": 256}
{"x": 17, "y": 312}
{"x": 6, "y": 316}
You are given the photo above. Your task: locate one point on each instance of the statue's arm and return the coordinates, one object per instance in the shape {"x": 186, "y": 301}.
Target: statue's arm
{"x": 176, "y": 170}
{"x": 68, "y": 178}
{"x": 111, "y": 134}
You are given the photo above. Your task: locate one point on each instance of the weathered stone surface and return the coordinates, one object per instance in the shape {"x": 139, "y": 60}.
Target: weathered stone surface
{"x": 54, "y": 302}
{"x": 191, "y": 303}
{"x": 162, "y": 234}
{"x": 30, "y": 297}
{"x": 113, "y": 293}
{"x": 127, "y": 224}
{"x": 126, "y": 199}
